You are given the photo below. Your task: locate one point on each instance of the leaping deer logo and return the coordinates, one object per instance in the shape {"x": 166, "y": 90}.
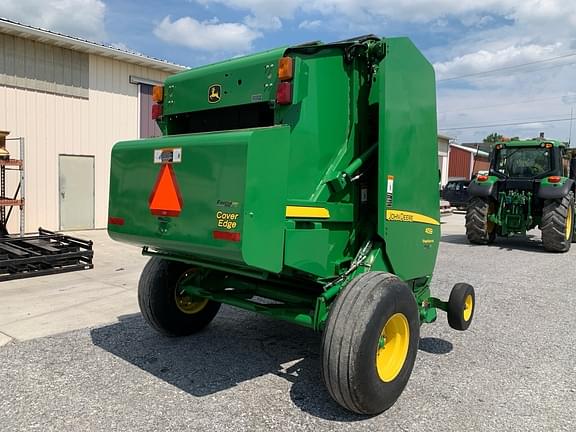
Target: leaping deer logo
{"x": 214, "y": 92}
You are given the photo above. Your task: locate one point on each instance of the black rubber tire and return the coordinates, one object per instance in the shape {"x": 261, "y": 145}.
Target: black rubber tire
{"x": 478, "y": 229}
{"x": 156, "y": 298}
{"x": 350, "y": 342}
{"x": 553, "y": 225}
{"x": 456, "y": 306}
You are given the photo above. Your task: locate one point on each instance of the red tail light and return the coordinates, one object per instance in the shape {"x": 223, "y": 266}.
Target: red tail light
{"x": 156, "y": 111}
{"x": 284, "y": 93}
{"x": 482, "y": 178}
{"x": 226, "y": 235}
{"x": 115, "y": 220}
{"x": 554, "y": 179}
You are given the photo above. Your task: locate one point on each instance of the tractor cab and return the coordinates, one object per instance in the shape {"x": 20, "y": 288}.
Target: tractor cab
{"x": 527, "y": 160}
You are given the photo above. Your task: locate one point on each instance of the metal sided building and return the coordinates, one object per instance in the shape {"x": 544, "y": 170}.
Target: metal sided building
{"x": 443, "y": 151}
{"x": 70, "y": 100}
{"x": 464, "y": 162}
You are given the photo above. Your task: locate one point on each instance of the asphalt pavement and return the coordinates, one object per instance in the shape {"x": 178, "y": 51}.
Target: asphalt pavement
{"x": 514, "y": 369}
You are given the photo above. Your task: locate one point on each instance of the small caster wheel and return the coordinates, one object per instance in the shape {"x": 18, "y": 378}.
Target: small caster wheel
{"x": 461, "y": 305}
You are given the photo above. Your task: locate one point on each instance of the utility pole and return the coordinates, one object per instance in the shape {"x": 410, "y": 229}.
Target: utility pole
{"x": 571, "y": 119}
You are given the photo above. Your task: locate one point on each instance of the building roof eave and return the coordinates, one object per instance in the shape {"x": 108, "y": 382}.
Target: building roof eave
{"x": 73, "y": 43}
{"x": 471, "y": 150}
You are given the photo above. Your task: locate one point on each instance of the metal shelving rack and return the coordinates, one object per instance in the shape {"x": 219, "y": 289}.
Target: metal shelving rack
{"x": 33, "y": 254}
{"x": 17, "y": 200}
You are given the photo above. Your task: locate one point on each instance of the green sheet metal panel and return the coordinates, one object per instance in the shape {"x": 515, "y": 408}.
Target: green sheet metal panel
{"x": 409, "y": 211}
{"x": 307, "y": 250}
{"x": 242, "y": 81}
{"x": 265, "y": 200}
{"x": 321, "y": 120}
{"x": 241, "y": 174}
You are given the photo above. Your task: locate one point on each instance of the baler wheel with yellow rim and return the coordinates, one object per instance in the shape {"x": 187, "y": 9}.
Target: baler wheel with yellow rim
{"x": 370, "y": 343}
{"x": 166, "y": 306}
{"x": 461, "y": 306}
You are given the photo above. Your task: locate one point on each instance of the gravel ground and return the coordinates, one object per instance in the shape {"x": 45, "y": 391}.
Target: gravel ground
{"x": 515, "y": 369}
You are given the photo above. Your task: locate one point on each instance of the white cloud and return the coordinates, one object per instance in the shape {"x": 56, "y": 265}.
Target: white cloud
{"x": 83, "y": 18}
{"x": 405, "y": 10}
{"x": 281, "y": 9}
{"x": 120, "y": 45}
{"x": 569, "y": 99}
{"x": 210, "y": 36}
{"x": 264, "y": 14}
{"x": 534, "y": 31}
{"x": 484, "y": 60}
{"x": 310, "y": 25}
{"x": 263, "y": 22}
{"x": 472, "y": 12}
{"x": 497, "y": 34}
{"x": 479, "y": 21}
{"x": 537, "y": 94}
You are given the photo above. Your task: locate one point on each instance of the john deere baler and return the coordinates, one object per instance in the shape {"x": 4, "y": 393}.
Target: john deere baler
{"x": 305, "y": 175}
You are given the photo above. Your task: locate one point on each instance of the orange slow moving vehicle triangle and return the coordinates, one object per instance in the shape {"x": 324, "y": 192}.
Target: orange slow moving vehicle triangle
{"x": 165, "y": 199}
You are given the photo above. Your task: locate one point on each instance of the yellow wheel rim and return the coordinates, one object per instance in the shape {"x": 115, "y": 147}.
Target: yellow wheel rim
{"x": 392, "y": 347}
{"x": 187, "y": 304}
{"x": 468, "y": 307}
{"x": 569, "y": 223}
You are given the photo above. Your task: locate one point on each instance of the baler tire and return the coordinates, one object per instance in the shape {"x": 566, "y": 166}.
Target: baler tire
{"x": 157, "y": 300}
{"x": 359, "y": 319}
{"x": 557, "y": 223}
{"x": 479, "y": 230}
{"x": 461, "y": 306}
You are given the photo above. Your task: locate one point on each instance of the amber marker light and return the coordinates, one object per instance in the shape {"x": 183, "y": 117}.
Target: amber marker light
{"x": 286, "y": 68}
{"x": 158, "y": 94}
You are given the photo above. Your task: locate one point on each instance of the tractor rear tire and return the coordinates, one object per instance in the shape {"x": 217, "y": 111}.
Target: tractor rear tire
{"x": 479, "y": 229}
{"x": 370, "y": 343}
{"x": 558, "y": 223}
{"x": 165, "y": 308}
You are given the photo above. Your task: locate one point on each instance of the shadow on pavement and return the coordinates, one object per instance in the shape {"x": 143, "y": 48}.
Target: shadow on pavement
{"x": 528, "y": 243}
{"x": 236, "y": 347}
{"x": 434, "y": 345}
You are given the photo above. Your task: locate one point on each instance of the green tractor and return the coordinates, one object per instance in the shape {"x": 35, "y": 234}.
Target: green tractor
{"x": 299, "y": 183}
{"x": 530, "y": 183}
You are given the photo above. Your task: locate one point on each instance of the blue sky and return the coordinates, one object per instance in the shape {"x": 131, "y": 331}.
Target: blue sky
{"x": 481, "y": 43}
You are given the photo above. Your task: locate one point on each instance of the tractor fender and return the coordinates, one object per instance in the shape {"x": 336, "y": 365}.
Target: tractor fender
{"x": 484, "y": 190}
{"x": 549, "y": 191}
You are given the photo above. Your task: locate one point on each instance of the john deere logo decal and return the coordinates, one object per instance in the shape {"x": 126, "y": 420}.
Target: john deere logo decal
{"x": 214, "y": 92}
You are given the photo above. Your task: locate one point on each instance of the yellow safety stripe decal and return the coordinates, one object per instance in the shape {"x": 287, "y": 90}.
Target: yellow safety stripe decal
{"x": 307, "y": 212}
{"x": 406, "y": 216}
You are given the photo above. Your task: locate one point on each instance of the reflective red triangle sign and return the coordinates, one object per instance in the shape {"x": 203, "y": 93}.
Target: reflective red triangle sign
{"x": 165, "y": 199}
